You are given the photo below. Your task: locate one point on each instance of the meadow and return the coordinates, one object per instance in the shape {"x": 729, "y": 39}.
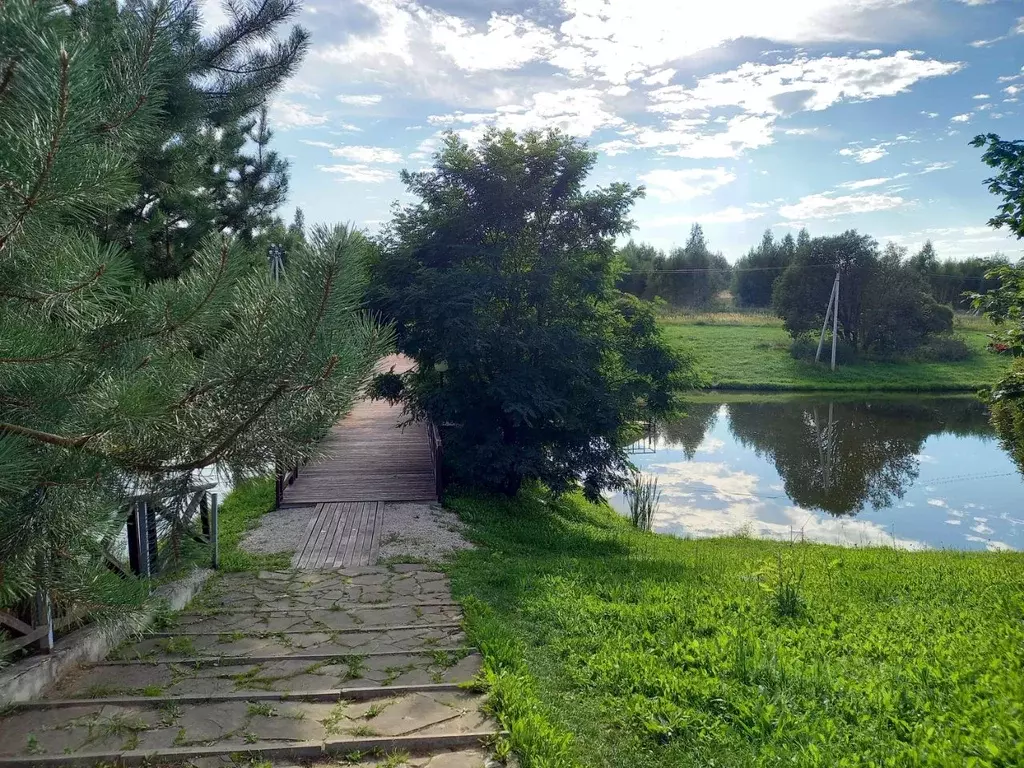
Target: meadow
{"x": 607, "y": 646}
{"x": 740, "y": 351}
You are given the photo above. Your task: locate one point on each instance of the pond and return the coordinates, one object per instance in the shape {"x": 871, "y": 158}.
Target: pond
{"x": 915, "y": 472}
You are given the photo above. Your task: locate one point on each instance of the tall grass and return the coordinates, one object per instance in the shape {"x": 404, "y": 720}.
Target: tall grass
{"x": 643, "y": 497}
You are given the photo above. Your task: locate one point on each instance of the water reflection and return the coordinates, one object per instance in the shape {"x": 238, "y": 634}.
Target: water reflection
{"x": 911, "y": 471}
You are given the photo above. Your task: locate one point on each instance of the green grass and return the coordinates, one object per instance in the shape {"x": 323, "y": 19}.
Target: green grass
{"x": 240, "y": 512}
{"x": 751, "y": 352}
{"x": 607, "y": 646}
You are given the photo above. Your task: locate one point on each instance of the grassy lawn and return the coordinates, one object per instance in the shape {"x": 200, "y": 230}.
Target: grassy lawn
{"x": 239, "y": 513}
{"x": 610, "y": 647}
{"x": 737, "y": 351}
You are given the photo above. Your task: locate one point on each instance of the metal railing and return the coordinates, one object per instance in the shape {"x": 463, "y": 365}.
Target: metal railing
{"x": 151, "y": 534}
{"x": 283, "y": 477}
{"x": 437, "y": 457}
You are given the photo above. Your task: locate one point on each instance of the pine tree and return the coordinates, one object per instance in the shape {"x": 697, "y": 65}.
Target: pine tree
{"x": 109, "y": 386}
{"x": 195, "y": 175}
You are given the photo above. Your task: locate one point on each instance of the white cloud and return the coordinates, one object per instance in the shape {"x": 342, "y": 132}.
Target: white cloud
{"x": 286, "y": 114}
{"x": 960, "y": 118}
{"x": 660, "y": 77}
{"x": 360, "y": 100}
{"x": 577, "y": 111}
{"x": 730, "y": 215}
{"x": 981, "y": 96}
{"x": 930, "y": 115}
{"x": 1012, "y": 90}
{"x": 509, "y": 42}
{"x": 359, "y": 173}
{"x": 673, "y": 186}
{"x": 939, "y": 166}
{"x": 319, "y": 144}
{"x": 865, "y": 154}
{"x": 826, "y": 205}
{"x": 865, "y": 183}
{"x": 367, "y": 154}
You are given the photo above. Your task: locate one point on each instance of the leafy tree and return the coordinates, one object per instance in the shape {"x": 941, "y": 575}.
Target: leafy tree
{"x": 109, "y": 386}
{"x": 641, "y": 261}
{"x": 898, "y": 309}
{"x": 884, "y": 304}
{"x": 1004, "y": 305}
{"x": 925, "y": 261}
{"x": 195, "y": 176}
{"x": 755, "y": 274}
{"x": 501, "y": 283}
{"x": 801, "y": 294}
{"x": 694, "y": 275}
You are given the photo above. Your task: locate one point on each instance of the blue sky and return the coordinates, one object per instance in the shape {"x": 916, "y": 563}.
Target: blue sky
{"x": 738, "y": 114}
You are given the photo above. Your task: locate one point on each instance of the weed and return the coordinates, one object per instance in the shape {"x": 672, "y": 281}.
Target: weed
{"x": 32, "y": 747}
{"x": 643, "y": 497}
{"x": 374, "y": 709}
{"x": 781, "y": 579}
{"x": 181, "y": 645}
{"x": 356, "y": 667}
{"x": 152, "y": 691}
{"x": 332, "y": 723}
{"x": 250, "y": 738}
{"x": 363, "y": 730}
{"x": 181, "y": 738}
{"x": 252, "y": 679}
{"x": 394, "y": 760}
{"x": 169, "y": 713}
{"x": 261, "y": 708}
{"x": 231, "y": 637}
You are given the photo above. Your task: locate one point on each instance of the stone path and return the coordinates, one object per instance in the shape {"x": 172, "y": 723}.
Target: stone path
{"x": 369, "y": 664}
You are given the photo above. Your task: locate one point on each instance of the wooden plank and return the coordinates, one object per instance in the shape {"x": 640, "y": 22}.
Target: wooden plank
{"x": 21, "y": 642}
{"x": 302, "y": 557}
{"x": 323, "y": 510}
{"x": 15, "y": 623}
{"x": 363, "y": 536}
{"x": 331, "y": 556}
{"x": 378, "y": 519}
{"x": 321, "y": 538}
{"x": 353, "y": 534}
{"x": 332, "y": 534}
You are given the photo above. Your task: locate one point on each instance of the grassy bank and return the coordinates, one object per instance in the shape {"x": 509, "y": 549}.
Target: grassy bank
{"x": 239, "y": 513}
{"x": 610, "y": 647}
{"x": 751, "y": 352}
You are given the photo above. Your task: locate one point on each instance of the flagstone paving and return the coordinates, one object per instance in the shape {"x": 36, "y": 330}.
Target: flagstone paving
{"x": 366, "y": 663}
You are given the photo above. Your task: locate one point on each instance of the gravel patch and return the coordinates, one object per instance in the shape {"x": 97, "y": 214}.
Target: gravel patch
{"x": 283, "y": 530}
{"x": 420, "y": 531}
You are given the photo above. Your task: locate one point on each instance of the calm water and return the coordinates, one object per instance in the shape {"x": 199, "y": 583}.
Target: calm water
{"x": 917, "y": 472}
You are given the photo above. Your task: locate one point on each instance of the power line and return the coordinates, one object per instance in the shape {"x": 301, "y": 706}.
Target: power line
{"x": 830, "y": 268}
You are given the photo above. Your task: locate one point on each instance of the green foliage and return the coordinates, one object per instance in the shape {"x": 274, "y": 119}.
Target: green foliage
{"x": 885, "y": 306}
{"x": 657, "y": 651}
{"x": 205, "y": 167}
{"x": 501, "y": 284}
{"x": 1007, "y": 157}
{"x": 756, "y": 273}
{"x": 239, "y": 513}
{"x": 110, "y": 387}
{"x": 1004, "y": 306}
{"x": 754, "y": 353}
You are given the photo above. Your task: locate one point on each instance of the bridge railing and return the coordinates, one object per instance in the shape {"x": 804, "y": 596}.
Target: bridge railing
{"x": 152, "y": 537}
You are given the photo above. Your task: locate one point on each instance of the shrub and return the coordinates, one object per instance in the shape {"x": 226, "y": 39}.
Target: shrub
{"x": 947, "y": 348}
{"x": 806, "y": 347}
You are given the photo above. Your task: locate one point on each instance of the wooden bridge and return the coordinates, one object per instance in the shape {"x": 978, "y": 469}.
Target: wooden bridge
{"x": 368, "y": 460}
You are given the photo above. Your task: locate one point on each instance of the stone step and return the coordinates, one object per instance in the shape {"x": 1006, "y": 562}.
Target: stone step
{"x": 235, "y": 723}
{"x": 283, "y": 674}
{"x": 283, "y": 644}
{"x": 324, "y": 589}
{"x": 315, "y": 620}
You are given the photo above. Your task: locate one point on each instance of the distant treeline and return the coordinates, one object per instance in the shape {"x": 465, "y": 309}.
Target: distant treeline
{"x": 693, "y": 276}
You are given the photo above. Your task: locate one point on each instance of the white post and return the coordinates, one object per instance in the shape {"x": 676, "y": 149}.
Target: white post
{"x": 824, "y": 325}
{"x": 835, "y": 324}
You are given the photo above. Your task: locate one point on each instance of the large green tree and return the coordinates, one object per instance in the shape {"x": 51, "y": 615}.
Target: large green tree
{"x": 756, "y": 273}
{"x": 1005, "y": 305}
{"x": 110, "y": 386}
{"x": 205, "y": 166}
{"x": 501, "y": 282}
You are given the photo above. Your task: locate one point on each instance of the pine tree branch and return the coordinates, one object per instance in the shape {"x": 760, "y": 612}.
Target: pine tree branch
{"x": 62, "y": 118}
{"x": 241, "y": 33}
{"x": 8, "y": 76}
{"x": 43, "y": 359}
{"x": 113, "y": 125}
{"x": 46, "y": 296}
{"x": 46, "y": 437}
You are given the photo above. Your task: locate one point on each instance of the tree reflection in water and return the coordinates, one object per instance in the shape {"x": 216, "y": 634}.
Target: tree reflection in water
{"x": 837, "y": 456}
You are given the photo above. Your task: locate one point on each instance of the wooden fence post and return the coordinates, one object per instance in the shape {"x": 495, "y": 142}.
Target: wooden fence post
{"x": 42, "y": 616}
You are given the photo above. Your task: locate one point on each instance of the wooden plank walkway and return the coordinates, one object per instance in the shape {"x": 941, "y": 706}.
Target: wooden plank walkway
{"x": 368, "y": 460}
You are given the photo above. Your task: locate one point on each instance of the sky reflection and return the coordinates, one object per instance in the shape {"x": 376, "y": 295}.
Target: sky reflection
{"x": 912, "y": 473}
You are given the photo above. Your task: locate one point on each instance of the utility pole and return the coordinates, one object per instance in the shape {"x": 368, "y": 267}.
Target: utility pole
{"x": 833, "y": 310}
{"x": 275, "y": 258}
